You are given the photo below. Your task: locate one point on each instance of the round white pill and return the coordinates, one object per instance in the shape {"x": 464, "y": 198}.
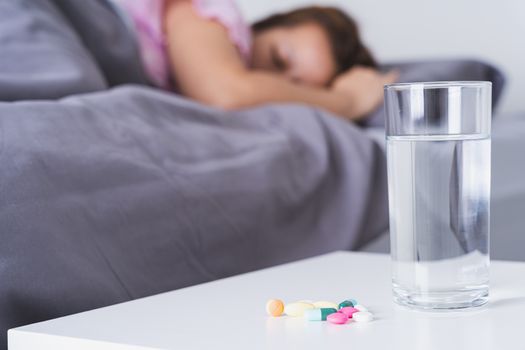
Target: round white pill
{"x": 363, "y": 316}
{"x": 360, "y": 307}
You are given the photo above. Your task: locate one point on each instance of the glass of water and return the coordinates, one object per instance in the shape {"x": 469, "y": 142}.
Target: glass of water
{"x": 438, "y": 153}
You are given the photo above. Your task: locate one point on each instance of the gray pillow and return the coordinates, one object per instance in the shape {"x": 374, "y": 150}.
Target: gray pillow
{"x": 441, "y": 71}
{"x": 108, "y": 39}
{"x": 41, "y": 56}
{"x": 56, "y": 48}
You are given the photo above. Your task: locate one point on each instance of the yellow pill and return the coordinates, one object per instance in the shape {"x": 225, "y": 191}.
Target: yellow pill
{"x": 297, "y": 309}
{"x": 274, "y": 307}
{"x": 325, "y": 305}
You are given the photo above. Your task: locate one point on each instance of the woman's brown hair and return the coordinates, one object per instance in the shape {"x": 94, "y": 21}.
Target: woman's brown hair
{"x": 341, "y": 29}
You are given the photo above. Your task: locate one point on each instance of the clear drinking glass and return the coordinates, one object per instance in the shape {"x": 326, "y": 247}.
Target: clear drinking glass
{"x": 438, "y": 153}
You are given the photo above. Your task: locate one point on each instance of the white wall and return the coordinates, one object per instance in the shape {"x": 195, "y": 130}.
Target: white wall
{"x": 492, "y": 30}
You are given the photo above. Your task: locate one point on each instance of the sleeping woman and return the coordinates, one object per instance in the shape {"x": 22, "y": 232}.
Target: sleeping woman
{"x": 204, "y": 49}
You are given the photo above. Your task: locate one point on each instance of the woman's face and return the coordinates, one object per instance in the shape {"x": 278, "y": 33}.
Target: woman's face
{"x": 301, "y": 53}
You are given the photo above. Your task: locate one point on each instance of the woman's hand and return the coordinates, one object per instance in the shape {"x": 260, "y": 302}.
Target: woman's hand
{"x": 362, "y": 87}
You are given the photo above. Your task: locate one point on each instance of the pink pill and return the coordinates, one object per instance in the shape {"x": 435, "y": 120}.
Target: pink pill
{"x": 348, "y": 311}
{"x": 337, "y": 318}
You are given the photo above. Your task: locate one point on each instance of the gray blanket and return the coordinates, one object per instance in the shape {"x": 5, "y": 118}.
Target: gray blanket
{"x": 125, "y": 192}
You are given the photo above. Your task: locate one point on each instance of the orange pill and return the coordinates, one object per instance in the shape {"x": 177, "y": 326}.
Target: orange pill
{"x": 274, "y": 307}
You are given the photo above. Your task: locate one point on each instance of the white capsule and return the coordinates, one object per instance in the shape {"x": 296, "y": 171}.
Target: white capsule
{"x": 360, "y": 307}
{"x": 325, "y": 305}
{"x": 362, "y": 316}
{"x": 297, "y": 309}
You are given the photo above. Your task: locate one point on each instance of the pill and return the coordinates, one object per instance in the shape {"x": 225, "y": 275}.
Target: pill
{"x": 318, "y": 314}
{"x": 348, "y": 302}
{"x": 360, "y": 307}
{"x": 325, "y": 305}
{"x": 337, "y": 318}
{"x": 274, "y": 307}
{"x": 363, "y": 316}
{"x": 348, "y": 311}
{"x": 297, "y": 309}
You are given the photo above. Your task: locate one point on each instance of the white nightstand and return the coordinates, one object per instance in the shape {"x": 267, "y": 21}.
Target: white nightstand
{"x": 229, "y": 314}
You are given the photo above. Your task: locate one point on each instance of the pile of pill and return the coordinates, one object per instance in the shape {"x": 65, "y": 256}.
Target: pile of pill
{"x": 321, "y": 310}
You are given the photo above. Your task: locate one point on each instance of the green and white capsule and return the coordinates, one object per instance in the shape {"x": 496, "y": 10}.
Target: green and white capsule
{"x": 318, "y": 314}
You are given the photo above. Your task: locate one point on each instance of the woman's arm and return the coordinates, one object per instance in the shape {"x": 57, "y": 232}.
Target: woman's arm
{"x": 209, "y": 69}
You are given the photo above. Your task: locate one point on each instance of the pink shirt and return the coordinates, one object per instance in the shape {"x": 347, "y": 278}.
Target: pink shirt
{"x": 146, "y": 18}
